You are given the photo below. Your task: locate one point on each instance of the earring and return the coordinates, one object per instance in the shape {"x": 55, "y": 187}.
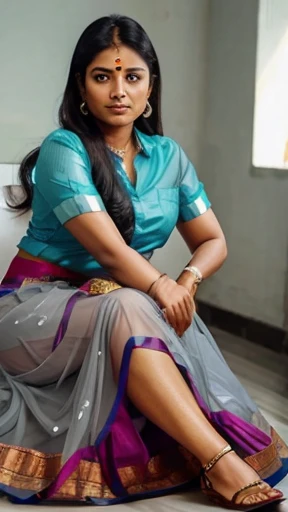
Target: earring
{"x": 148, "y": 110}
{"x": 84, "y": 110}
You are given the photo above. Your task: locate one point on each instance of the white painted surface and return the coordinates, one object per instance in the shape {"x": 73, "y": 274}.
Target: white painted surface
{"x": 252, "y": 210}
{"x": 12, "y": 228}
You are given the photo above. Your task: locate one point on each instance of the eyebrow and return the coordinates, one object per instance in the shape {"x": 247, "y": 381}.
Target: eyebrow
{"x": 106, "y": 70}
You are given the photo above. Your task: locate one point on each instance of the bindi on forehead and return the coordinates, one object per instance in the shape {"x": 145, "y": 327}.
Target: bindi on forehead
{"x": 118, "y": 63}
{"x": 117, "y": 43}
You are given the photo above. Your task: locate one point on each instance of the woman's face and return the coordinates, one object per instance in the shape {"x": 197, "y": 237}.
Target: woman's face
{"x": 117, "y": 97}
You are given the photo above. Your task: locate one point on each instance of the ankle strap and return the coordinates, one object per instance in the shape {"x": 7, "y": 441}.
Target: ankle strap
{"x": 219, "y": 456}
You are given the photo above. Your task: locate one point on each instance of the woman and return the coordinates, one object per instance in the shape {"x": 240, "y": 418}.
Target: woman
{"x": 112, "y": 388}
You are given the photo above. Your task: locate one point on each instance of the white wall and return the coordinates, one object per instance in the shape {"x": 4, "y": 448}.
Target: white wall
{"x": 12, "y": 227}
{"x": 37, "y": 41}
{"x": 252, "y": 207}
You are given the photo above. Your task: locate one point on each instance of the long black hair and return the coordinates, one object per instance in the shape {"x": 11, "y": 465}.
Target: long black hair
{"x": 97, "y": 37}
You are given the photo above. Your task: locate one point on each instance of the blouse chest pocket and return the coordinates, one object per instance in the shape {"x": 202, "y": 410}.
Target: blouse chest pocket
{"x": 168, "y": 200}
{"x": 161, "y": 206}
{"x": 161, "y": 199}
{"x": 157, "y": 214}
{"x": 168, "y": 194}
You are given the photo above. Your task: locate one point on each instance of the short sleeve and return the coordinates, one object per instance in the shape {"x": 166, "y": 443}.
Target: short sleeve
{"x": 193, "y": 200}
{"x": 63, "y": 176}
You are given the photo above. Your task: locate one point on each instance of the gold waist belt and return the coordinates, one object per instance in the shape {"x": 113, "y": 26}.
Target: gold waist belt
{"x": 95, "y": 286}
{"x": 98, "y": 286}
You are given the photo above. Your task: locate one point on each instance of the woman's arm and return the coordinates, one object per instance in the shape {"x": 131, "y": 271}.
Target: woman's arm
{"x": 205, "y": 239}
{"x": 63, "y": 176}
{"x": 98, "y": 234}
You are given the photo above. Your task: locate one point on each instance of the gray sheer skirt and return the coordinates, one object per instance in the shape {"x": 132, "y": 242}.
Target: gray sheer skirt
{"x": 58, "y": 397}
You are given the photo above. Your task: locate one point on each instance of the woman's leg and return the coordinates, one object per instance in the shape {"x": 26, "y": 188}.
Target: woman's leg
{"x": 159, "y": 391}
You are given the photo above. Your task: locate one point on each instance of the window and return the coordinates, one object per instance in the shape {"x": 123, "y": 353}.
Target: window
{"x": 270, "y": 141}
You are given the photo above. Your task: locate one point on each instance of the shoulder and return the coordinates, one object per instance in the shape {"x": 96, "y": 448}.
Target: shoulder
{"x": 63, "y": 146}
{"x": 171, "y": 151}
{"x": 61, "y": 153}
{"x": 173, "y": 154}
{"x": 160, "y": 142}
{"x": 167, "y": 143}
{"x": 159, "y": 145}
{"x": 64, "y": 138}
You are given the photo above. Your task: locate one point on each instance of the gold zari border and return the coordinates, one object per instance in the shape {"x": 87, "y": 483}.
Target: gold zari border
{"x": 30, "y": 469}
{"x": 268, "y": 461}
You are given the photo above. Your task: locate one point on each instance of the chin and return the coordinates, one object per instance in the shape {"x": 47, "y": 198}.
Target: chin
{"x": 120, "y": 121}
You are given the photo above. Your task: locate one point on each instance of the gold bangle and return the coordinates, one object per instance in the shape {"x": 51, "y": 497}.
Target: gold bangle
{"x": 151, "y": 286}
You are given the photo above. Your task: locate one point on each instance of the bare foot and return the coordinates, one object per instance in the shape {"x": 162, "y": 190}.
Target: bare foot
{"x": 231, "y": 473}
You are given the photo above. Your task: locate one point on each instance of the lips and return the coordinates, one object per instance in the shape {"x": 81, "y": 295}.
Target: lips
{"x": 118, "y": 108}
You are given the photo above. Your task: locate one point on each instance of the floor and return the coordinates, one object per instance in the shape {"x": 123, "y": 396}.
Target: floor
{"x": 264, "y": 374}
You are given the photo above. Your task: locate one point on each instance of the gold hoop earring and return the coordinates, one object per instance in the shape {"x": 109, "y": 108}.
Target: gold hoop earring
{"x": 148, "y": 110}
{"x": 84, "y": 110}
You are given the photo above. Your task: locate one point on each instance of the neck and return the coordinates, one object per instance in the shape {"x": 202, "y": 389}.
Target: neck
{"x": 118, "y": 137}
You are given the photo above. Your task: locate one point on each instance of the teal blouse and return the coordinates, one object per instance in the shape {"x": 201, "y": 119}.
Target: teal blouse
{"x": 167, "y": 191}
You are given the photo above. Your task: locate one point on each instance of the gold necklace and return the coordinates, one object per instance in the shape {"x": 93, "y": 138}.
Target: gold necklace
{"x": 119, "y": 151}
{"x": 122, "y": 151}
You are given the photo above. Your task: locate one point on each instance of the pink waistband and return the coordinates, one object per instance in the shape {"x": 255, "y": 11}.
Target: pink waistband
{"x": 21, "y": 268}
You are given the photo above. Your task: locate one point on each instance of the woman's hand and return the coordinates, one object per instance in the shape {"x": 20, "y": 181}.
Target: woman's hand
{"x": 187, "y": 279}
{"x": 176, "y": 302}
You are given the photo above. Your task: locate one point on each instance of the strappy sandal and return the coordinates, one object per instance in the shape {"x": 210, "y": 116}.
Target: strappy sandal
{"x": 218, "y": 499}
